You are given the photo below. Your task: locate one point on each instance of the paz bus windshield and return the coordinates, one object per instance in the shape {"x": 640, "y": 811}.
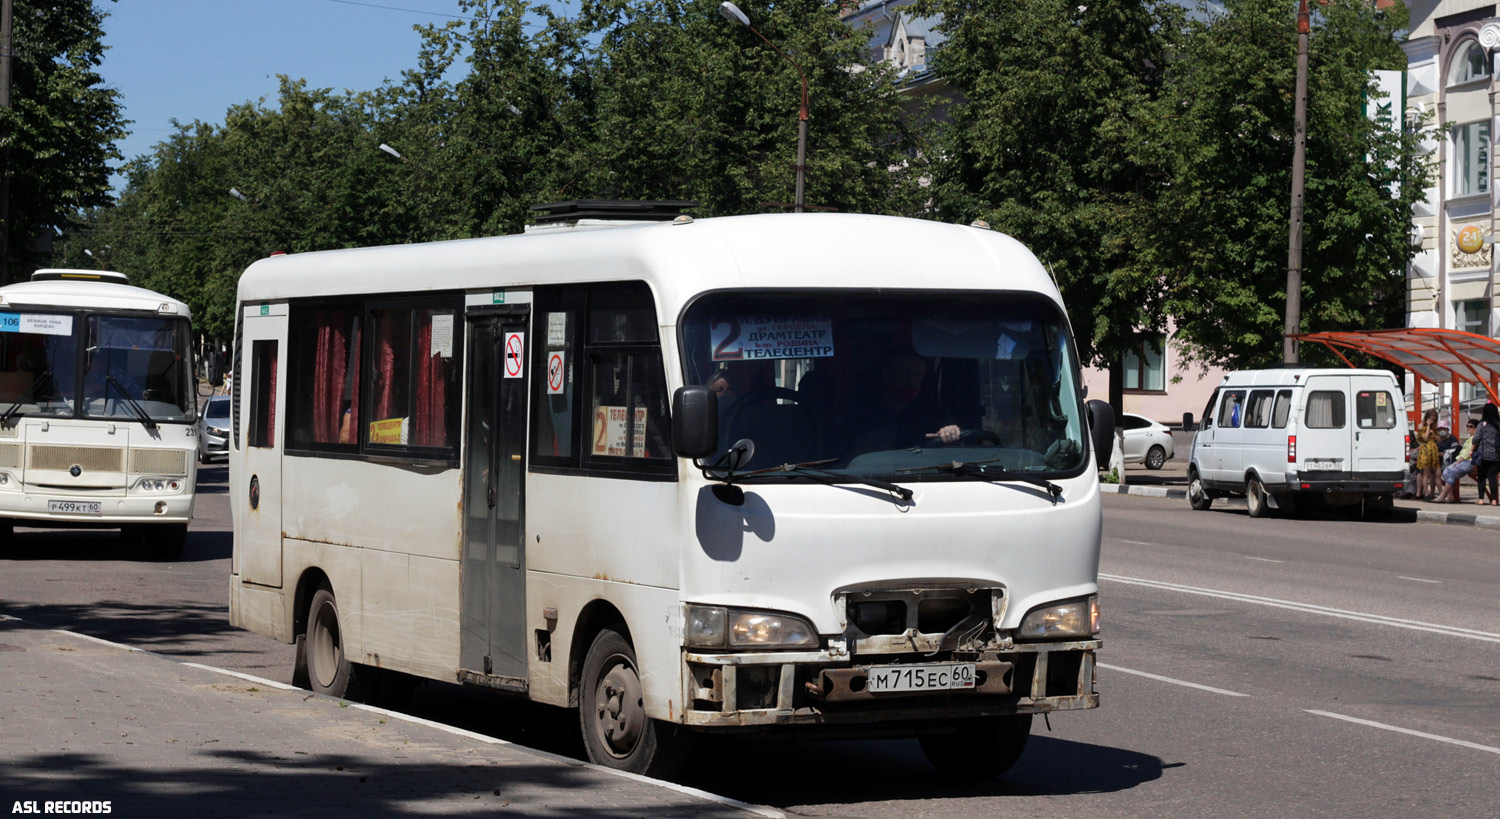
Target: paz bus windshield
{"x": 93, "y": 365}
{"x": 891, "y": 384}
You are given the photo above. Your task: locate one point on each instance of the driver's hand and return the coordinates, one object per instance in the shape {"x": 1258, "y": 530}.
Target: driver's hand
{"x": 947, "y": 434}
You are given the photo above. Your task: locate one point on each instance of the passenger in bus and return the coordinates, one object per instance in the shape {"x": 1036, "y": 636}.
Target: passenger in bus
{"x": 903, "y": 414}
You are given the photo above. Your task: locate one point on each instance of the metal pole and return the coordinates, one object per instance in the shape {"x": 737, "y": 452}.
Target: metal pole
{"x": 5, "y": 54}
{"x": 801, "y": 117}
{"x": 1299, "y": 170}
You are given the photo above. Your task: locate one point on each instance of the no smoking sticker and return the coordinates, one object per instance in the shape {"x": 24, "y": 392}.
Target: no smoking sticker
{"x": 515, "y": 352}
{"x": 556, "y": 373}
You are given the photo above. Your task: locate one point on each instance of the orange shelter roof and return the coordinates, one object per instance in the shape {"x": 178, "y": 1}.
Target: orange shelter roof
{"x": 1434, "y": 355}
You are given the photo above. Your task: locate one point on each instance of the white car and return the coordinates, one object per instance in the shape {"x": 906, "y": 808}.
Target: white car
{"x": 1146, "y": 441}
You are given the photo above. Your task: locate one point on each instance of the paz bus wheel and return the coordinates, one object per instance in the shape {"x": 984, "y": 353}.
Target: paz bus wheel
{"x": 612, "y": 713}
{"x": 978, "y": 748}
{"x": 328, "y": 669}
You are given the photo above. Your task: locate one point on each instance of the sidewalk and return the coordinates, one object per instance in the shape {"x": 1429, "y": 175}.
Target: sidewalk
{"x": 87, "y": 721}
{"x": 1171, "y": 482}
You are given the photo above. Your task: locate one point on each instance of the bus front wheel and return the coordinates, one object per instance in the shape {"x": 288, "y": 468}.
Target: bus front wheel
{"x": 328, "y": 668}
{"x": 978, "y": 748}
{"x": 617, "y": 733}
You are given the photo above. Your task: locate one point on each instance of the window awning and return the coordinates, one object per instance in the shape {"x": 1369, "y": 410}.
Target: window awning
{"x": 1433, "y": 355}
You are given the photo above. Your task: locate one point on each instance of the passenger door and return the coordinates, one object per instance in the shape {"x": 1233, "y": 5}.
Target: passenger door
{"x": 1379, "y": 427}
{"x": 257, "y": 439}
{"x": 493, "y": 642}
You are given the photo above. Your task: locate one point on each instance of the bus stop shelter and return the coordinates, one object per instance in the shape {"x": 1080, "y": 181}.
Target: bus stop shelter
{"x": 1431, "y": 355}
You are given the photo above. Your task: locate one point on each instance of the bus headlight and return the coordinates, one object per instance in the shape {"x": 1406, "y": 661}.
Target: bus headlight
{"x": 1075, "y": 618}
{"x": 717, "y": 627}
{"x": 159, "y": 485}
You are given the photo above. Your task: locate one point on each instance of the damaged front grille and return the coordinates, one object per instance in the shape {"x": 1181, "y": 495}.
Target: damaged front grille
{"x": 920, "y": 619}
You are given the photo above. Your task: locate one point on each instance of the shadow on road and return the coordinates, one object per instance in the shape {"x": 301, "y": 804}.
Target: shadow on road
{"x": 852, "y": 772}
{"x": 181, "y": 630}
{"x": 88, "y": 545}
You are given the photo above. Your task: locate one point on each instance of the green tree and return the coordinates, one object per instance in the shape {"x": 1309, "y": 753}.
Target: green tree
{"x": 677, "y": 103}
{"x": 1047, "y": 147}
{"x": 59, "y": 135}
{"x": 1224, "y": 131}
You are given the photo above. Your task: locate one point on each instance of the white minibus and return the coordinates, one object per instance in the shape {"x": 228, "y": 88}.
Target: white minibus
{"x": 97, "y": 408}
{"x": 822, "y": 473}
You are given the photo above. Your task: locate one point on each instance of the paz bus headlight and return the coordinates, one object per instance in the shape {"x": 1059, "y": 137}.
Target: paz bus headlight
{"x": 718, "y": 627}
{"x": 162, "y": 485}
{"x": 1075, "y": 618}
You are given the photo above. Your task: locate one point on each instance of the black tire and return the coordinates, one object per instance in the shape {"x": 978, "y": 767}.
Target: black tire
{"x": 978, "y": 748}
{"x": 328, "y": 668}
{"x": 611, "y": 711}
{"x": 1255, "y": 498}
{"x": 1197, "y": 495}
{"x": 165, "y": 540}
{"x": 1156, "y": 457}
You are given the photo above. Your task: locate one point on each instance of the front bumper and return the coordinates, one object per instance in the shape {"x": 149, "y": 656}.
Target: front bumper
{"x": 817, "y": 688}
{"x": 113, "y": 509}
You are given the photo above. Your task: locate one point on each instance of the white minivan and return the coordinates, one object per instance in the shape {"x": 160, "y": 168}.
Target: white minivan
{"x": 1278, "y": 434}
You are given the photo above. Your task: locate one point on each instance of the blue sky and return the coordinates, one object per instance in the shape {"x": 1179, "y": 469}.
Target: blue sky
{"x": 193, "y": 59}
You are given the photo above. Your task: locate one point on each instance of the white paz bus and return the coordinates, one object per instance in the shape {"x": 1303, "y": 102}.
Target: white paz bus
{"x": 97, "y": 408}
{"x": 822, "y": 473}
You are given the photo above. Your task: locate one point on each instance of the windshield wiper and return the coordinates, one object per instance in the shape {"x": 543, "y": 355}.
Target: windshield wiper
{"x": 146, "y": 420}
{"x": 990, "y": 471}
{"x": 831, "y": 478}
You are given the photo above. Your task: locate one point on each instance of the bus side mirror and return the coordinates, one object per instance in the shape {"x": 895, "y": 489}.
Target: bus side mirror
{"x": 1102, "y": 431}
{"x": 695, "y": 421}
{"x": 1187, "y": 422}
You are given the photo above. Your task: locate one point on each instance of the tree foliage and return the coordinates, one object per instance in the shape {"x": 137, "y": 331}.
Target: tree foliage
{"x": 1223, "y": 130}
{"x": 1048, "y": 146}
{"x": 58, "y": 137}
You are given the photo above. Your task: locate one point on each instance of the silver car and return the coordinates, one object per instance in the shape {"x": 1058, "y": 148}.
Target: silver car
{"x": 213, "y": 429}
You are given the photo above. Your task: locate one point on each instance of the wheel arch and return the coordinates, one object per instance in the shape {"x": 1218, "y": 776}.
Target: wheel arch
{"x": 596, "y": 616}
{"x": 308, "y": 584}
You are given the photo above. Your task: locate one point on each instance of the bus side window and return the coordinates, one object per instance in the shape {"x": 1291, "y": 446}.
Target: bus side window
{"x": 263, "y": 394}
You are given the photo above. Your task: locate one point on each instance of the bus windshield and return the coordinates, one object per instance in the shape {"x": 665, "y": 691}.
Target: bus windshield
{"x": 132, "y": 367}
{"x": 893, "y": 385}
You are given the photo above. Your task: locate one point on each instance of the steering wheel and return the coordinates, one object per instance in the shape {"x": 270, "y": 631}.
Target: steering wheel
{"x": 759, "y": 396}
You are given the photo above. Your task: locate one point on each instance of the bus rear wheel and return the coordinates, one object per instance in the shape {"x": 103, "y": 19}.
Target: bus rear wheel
{"x": 978, "y": 748}
{"x": 328, "y": 668}
{"x": 617, "y": 733}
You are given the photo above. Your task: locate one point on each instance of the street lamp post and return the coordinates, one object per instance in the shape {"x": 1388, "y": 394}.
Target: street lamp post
{"x": 1293, "y": 324}
{"x": 732, "y": 13}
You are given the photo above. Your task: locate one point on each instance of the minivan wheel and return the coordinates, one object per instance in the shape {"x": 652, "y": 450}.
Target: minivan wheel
{"x": 1255, "y": 498}
{"x": 1156, "y": 457}
{"x": 1198, "y": 496}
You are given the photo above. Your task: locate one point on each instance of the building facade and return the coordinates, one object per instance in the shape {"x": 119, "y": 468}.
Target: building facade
{"x": 1451, "y": 54}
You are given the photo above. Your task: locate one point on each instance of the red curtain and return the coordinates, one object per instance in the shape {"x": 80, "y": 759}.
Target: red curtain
{"x": 330, "y": 352}
{"x": 430, "y": 422}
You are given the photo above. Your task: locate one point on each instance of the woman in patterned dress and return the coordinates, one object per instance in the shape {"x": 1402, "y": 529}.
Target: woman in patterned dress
{"x": 1429, "y": 460}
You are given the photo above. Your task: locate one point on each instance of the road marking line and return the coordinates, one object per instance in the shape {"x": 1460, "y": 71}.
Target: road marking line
{"x": 1418, "y": 579}
{"x": 1262, "y": 559}
{"x": 1309, "y": 608}
{"x": 1160, "y": 678}
{"x": 1138, "y": 542}
{"x": 1463, "y": 743}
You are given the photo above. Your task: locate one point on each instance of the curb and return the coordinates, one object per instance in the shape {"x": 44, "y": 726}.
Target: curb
{"x": 1400, "y": 513}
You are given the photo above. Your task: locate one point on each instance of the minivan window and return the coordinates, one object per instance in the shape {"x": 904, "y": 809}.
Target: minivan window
{"x": 1230, "y": 409}
{"x": 1282, "y": 409}
{"x": 1325, "y": 410}
{"x": 1208, "y": 410}
{"x": 1258, "y": 409}
{"x": 1374, "y": 409}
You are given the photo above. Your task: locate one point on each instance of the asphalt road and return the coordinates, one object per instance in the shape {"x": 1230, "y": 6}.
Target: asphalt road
{"x": 1309, "y": 667}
